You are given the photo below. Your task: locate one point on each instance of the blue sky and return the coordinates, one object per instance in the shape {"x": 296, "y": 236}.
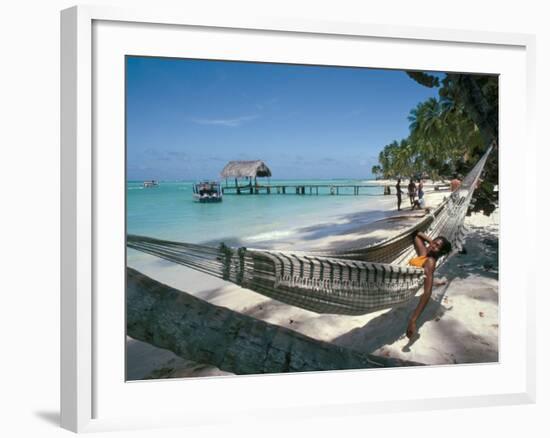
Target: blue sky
{"x": 187, "y": 118}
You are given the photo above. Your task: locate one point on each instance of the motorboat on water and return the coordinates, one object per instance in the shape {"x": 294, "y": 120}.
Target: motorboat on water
{"x": 150, "y": 183}
{"x": 207, "y": 191}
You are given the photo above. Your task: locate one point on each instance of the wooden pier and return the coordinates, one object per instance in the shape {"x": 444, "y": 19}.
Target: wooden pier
{"x": 251, "y": 170}
{"x": 301, "y": 189}
{"x": 318, "y": 189}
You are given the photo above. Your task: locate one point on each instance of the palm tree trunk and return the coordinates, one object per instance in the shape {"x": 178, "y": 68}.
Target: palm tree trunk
{"x": 205, "y": 333}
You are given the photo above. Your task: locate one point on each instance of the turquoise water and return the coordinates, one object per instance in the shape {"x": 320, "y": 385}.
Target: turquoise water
{"x": 168, "y": 212}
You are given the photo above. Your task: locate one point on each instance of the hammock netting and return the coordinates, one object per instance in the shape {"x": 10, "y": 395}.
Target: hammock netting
{"x": 354, "y": 281}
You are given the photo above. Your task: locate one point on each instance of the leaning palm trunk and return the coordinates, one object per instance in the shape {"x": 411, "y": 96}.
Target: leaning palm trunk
{"x": 352, "y": 282}
{"x": 195, "y": 329}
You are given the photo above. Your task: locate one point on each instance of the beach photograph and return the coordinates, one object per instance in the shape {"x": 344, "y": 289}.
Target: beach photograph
{"x": 286, "y": 218}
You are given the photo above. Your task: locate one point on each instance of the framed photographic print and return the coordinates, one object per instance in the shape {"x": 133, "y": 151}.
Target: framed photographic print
{"x": 256, "y": 209}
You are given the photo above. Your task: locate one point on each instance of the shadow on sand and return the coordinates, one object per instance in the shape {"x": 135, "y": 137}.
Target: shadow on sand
{"x": 481, "y": 259}
{"x": 391, "y": 325}
{"x": 366, "y": 223}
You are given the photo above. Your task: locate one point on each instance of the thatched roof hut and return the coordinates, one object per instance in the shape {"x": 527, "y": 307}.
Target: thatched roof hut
{"x": 245, "y": 169}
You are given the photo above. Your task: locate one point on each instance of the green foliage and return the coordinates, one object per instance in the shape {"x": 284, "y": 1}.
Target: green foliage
{"x": 424, "y": 78}
{"x": 448, "y": 135}
{"x": 377, "y": 171}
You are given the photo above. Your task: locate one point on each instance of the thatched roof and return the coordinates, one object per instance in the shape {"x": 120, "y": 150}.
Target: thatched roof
{"x": 242, "y": 169}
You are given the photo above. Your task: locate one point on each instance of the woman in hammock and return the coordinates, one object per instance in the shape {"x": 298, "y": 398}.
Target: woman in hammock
{"x": 426, "y": 258}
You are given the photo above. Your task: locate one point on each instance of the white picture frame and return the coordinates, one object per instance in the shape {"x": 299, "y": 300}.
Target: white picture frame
{"x": 85, "y": 177}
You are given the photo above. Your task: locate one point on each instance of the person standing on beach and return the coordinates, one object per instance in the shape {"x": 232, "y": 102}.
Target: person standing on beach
{"x": 455, "y": 183}
{"x": 420, "y": 189}
{"x": 411, "y": 188}
{"x": 398, "y": 193}
{"x": 427, "y": 259}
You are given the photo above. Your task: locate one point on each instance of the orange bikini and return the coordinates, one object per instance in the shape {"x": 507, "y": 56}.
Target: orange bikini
{"x": 418, "y": 261}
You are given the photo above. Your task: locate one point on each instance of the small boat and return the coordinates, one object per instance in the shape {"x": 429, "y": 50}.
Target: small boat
{"x": 151, "y": 183}
{"x": 207, "y": 191}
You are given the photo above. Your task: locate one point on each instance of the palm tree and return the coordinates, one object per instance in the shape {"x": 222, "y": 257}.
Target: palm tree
{"x": 450, "y": 133}
{"x": 443, "y": 136}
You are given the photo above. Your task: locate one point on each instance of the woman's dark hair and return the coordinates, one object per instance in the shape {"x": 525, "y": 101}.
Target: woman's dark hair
{"x": 446, "y": 246}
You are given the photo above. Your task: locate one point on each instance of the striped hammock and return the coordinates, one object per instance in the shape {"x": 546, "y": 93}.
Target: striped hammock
{"x": 352, "y": 282}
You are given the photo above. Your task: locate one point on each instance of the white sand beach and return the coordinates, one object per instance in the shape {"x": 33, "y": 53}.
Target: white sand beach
{"x": 459, "y": 325}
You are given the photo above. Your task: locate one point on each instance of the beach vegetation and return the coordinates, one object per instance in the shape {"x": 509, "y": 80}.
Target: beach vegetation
{"x": 448, "y": 135}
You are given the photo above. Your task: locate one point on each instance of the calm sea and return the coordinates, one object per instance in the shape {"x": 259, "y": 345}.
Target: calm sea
{"x": 168, "y": 212}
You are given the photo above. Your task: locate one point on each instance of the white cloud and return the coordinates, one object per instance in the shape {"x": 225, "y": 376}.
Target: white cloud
{"x": 234, "y": 122}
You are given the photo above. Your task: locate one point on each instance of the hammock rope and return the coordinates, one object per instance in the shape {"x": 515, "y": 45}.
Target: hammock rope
{"x": 354, "y": 281}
